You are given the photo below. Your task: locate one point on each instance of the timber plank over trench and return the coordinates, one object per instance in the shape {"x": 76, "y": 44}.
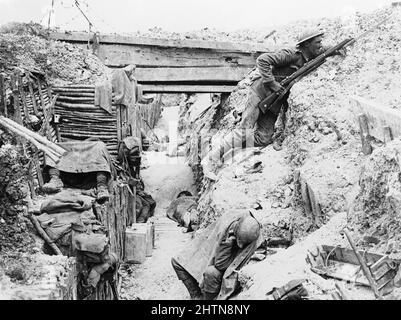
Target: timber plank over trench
{"x": 163, "y": 65}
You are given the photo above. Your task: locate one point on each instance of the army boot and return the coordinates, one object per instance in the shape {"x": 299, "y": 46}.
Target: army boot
{"x": 102, "y": 190}
{"x": 55, "y": 184}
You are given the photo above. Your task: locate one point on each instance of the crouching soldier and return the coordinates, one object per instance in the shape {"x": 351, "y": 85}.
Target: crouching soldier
{"x": 208, "y": 266}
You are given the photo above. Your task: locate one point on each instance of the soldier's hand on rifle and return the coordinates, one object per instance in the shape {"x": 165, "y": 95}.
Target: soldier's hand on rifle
{"x": 340, "y": 52}
{"x": 276, "y": 87}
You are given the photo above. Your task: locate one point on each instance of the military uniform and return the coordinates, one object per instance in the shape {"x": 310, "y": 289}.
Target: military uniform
{"x": 210, "y": 261}
{"x": 256, "y": 129}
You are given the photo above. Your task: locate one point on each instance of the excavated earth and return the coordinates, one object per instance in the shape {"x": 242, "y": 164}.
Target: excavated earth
{"x": 27, "y": 46}
{"x": 323, "y": 148}
{"x": 25, "y": 271}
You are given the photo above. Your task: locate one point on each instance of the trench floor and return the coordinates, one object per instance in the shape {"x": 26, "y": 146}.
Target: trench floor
{"x": 164, "y": 177}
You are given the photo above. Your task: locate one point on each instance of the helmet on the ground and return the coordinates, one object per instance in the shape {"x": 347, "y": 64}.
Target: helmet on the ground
{"x": 308, "y": 35}
{"x": 248, "y": 231}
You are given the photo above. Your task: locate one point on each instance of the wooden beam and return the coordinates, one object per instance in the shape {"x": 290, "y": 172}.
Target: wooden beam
{"x": 121, "y": 55}
{"x": 23, "y": 99}
{"x": 174, "y": 88}
{"x": 157, "y": 42}
{"x": 17, "y": 110}
{"x": 219, "y": 74}
{"x": 364, "y": 133}
{"x": 32, "y": 94}
{"x": 378, "y": 116}
{"x": 3, "y": 101}
{"x": 388, "y": 135}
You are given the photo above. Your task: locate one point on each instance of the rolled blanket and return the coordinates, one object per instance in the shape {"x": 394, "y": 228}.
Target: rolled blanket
{"x": 66, "y": 201}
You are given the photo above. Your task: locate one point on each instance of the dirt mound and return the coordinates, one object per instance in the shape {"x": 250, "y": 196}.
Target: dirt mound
{"x": 322, "y": 139}
{"x": 376, "y": 214}
{"x": 322, "y": 146}
{"x": 26, "y": 46}
{"x": 14, "y": 235}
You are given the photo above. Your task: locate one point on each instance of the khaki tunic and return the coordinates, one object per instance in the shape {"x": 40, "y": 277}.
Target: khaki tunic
{"x": 201, "y": 251}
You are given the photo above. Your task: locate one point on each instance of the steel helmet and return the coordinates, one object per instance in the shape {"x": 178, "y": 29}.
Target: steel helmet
{"x": 248, "y": 230}
{"x": 307, "y": 35}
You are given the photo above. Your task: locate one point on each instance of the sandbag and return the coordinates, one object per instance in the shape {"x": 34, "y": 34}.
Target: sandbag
{"x": 94, "y": 242}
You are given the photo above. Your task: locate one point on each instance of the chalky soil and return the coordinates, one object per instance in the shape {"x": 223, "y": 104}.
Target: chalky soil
{"x": 164, "y": 178}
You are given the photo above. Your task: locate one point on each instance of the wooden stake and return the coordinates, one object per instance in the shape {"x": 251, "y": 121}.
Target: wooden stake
{"x": 44, "y": 235}
{"x": 38, "y": 169}
{"x": 31, "y": 179}
{"x": 17, "y": 110}
{"x": 23, "y": 99}
{"x": 119, "y": 126}
{"x": 3, "y": 102}
{"x": 42, "y": 101}
{"x": 364, "y": 133}
{"x": 34, "y": 104}
{"x": 388, "y": 135}
{"x": 364, "y": 267}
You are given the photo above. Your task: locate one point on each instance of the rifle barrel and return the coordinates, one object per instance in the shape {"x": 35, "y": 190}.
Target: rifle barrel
{"x": 288, "y": 82}
{"x": 307, "y": 68}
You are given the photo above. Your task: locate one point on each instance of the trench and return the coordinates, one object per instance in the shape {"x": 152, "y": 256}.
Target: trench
{"x": 164, "y": 177}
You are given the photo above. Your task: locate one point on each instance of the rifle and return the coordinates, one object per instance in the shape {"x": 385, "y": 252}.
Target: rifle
{"x": 273, "y": 100}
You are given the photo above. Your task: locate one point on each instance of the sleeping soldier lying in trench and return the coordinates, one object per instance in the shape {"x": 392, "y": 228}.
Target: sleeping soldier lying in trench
{"x": 183, "y": 210}
{"x": 257, "y": 128}
{"x": 209, "y": 265}
{"x": 86, "y": 165}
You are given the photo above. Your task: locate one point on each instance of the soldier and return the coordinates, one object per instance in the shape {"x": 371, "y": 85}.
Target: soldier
{"x": 257, "y": 128}
{"x": 85, "y": 165}
{"x": 208, "y": 266}
{"x": 183, "y": 210}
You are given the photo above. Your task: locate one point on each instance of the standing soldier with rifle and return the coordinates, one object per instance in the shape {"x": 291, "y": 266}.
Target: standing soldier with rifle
{"x": 267, "y": 97}
{"x": 273, "y": 68}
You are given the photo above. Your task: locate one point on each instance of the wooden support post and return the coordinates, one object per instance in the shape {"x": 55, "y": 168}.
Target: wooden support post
{"x": 134, "y": 204}
{"x": 38, "y": 169}
{"x": 23, "y": 99}
{"x": 46, "y": 124}
{"x": 364, "y": 267}
{"x": 317, "y": 212}
{"x": 51, "y": 114}
{"x": 364, "y": 133}
{"x": 31, "y": 92}
{"x": 49, "y": 92}
{"x": 124, "y": 120}
{"x": 305, "y": 198}
{"x": 119, "y": 124}
{"x": 3, "y": 102}
{"x": 388, "y": 135}
{"x": 42, "y": 101}
{"x": 47, "y": 112}
{"x": 31, "y": 183}
{"x": 17, "y": 111}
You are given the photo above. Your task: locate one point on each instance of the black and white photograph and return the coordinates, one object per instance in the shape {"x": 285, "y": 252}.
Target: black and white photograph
{"x": 191, "y": 157}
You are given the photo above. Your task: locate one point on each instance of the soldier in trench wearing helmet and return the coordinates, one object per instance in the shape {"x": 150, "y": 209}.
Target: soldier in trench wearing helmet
{"x": 259, "y": 129}
{"x": 209, "y": 266}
